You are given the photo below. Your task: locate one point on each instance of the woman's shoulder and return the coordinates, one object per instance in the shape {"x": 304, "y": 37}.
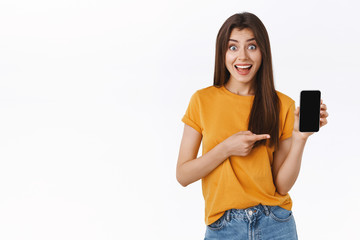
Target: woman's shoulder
{"x": 285, "y": 99}
{"x": 207, "y": 91}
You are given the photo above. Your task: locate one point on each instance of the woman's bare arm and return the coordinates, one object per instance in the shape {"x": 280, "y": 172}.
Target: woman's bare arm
{"x": 287, "y": 160}
{"x": 189, "y": 169}
{"x": 287, "y": 163}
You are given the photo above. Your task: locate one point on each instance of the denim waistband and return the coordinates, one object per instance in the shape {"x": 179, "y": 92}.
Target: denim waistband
{"x": 248, "y": 212}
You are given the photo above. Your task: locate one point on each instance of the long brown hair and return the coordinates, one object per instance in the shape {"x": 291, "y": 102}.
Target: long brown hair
{"x": 264, "y": 115}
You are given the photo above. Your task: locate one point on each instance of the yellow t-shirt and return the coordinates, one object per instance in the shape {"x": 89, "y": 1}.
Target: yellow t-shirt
{"x": 238, "y": 182}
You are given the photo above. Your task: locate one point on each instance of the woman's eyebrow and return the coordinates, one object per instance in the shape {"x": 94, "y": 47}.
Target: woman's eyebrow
{"x": 238, "y": 41}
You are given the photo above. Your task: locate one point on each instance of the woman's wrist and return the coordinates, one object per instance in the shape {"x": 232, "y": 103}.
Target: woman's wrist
{"x": 300, "y": 136}
{"x": 225, "y": 149}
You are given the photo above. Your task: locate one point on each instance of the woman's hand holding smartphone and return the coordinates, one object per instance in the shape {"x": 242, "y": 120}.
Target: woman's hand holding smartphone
{"x": 311, "y": 115}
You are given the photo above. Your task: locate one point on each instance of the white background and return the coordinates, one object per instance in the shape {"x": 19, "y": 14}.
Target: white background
{"x": 91, "y": 99}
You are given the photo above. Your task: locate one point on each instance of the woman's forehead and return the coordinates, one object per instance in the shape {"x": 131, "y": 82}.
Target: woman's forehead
{"x": 246, "y": 32}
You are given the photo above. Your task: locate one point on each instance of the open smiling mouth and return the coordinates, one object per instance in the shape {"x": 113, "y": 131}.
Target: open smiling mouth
{"x": 243, "y": 70}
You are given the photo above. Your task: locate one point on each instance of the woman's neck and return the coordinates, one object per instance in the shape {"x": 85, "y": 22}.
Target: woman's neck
{"x": 242, "y": 90}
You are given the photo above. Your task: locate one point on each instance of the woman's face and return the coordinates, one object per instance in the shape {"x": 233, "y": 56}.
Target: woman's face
{"x": 242, "y": 51}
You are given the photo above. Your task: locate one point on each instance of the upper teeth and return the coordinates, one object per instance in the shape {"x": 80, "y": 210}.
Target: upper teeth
{"x": 242, "y": 66}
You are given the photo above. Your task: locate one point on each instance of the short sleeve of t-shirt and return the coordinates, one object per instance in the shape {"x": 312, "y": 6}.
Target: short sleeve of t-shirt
{"x": 289, "y": 122}
{"x": 192, "y": 114}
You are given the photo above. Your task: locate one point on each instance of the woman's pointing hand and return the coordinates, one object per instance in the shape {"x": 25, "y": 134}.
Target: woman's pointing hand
{"x": 241, "y": 143}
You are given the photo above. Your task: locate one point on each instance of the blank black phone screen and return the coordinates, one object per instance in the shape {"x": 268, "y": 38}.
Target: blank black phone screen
{"x": 310, "y": 110}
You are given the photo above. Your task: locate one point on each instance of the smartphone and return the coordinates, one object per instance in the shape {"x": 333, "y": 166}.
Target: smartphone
{"x": 309, "y": 111}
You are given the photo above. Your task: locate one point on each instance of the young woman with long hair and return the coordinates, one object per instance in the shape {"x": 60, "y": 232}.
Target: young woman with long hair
{"x": 252, "y": 146}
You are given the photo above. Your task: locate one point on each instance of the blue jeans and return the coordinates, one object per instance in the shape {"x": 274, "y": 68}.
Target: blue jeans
{"x": 254, "y": 223}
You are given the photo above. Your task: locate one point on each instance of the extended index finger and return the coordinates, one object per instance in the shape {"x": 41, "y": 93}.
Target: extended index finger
{"x": 258, "y": 137}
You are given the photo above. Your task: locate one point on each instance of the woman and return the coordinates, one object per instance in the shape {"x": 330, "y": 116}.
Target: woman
{"x": 252, "y": 146}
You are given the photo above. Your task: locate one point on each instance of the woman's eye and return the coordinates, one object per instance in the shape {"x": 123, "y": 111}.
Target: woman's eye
{"x": 232, "y": 48}
{"x": 254, "y": 47}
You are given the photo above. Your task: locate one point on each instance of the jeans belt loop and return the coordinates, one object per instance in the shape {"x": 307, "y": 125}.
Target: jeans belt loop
{"x": 227, "y": 217}
{"x": 267, "y": 212}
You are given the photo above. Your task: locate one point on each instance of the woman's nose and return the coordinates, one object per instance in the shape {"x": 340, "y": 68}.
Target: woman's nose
{"x": 242, "y": 54}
